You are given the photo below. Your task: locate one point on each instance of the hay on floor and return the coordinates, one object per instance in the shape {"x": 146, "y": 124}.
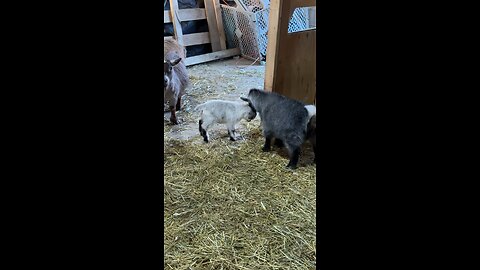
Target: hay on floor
{"x": 228, "y": 205}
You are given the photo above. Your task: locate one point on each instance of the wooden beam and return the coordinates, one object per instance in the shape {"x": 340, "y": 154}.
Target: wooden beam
{"x": 166, "y": 16}
{"x": 221, "y": 30}
{"x": 212, "y": 25}
{"x": 194, "y": 39}
{"x": 304, "y": 3}
{"x": 189, "y": 14}
{"x": 274, "y": 23}
{"x": 291, "y": 57}
{"x": 177, "y": 27}
{"x": 211, "y": 56}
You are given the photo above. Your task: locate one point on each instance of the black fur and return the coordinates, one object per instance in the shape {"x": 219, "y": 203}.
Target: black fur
{"x": 284, "y": 119}
{"x": 251, "y": 107}
{"x": 203, "y": 132}
{"x": 278, "y": 143}
{"x": 200, "y": 122}
{"x": 231, "y": 133}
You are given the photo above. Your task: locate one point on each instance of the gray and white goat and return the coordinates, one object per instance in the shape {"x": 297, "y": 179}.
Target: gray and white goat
{"x": 223, "y": 112}
{"x": 287, "y": 120}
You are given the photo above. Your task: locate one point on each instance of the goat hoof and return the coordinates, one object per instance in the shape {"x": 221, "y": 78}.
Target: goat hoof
{"x": 291, "y": 167}
{"x": 232, "y": 139}
{"x": 278, "y": 143}
{"x": 175, "y": 121}
{"x": 265, "y": 149}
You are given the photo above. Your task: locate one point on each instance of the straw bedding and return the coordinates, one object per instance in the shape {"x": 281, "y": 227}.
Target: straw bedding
{"x": 228, "y": 205}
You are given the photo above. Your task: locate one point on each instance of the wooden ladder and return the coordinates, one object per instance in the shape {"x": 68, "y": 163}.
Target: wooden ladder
{"x": 215, "y": 36}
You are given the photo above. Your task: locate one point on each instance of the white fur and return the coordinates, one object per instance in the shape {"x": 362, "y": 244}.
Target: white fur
{"x": 223, "y": 112}
{"x": 312, "y": 110}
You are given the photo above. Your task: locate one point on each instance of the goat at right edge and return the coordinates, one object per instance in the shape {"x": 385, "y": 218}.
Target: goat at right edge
{"x": 289, "y": 121}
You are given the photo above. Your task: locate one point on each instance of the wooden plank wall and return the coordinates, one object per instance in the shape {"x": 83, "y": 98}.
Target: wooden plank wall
{"x": 216, "y": 35}
{"x": 291, "y": 58}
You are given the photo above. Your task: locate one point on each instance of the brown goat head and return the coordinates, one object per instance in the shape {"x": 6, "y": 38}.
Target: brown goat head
{"x": 168, "y": 69}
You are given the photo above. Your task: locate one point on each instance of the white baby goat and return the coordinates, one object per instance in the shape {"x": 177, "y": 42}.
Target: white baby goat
{"x": 224, "y": 112}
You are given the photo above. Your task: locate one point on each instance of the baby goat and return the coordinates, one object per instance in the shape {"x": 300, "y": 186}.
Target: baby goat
{"x": 311, "y": 129}
{"x": 285, "y": 119}
{"x": 224, "y": 112}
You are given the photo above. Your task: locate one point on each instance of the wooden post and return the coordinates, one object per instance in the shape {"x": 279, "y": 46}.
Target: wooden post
{"x": 291, "y": 57}
{"x": 221, "y": 29}
{"x": 212, "y": 25}
{"x": 177, "y": 26}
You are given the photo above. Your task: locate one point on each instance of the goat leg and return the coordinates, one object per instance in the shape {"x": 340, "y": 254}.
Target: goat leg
{"x": 200, "y": 129}
{"x": 173, "y": 117}
{"x": 266, "y": 147}
{"x": 314, "y": 146}
{"x": 231, "y": 133}
{"x": 203, "y": 131}
{"x": 178, "y": 103}
{"x": 294, "y": 157}
{"x": 278, "y": 143}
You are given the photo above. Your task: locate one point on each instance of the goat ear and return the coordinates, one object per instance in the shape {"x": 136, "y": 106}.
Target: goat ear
{"x": 176, "y": 61}
{"x": 245, "y": 99}
{"x": 165, "y": 66}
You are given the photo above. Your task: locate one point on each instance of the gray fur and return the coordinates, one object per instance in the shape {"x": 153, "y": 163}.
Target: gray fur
{"x": 175, "y": 76}
{"x": 284, "y": 119}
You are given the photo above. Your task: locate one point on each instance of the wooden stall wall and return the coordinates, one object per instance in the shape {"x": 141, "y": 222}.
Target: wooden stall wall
{"x": 291, "y": 57}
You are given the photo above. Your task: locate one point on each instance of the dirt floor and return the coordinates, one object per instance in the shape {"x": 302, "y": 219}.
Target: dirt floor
{"x": 228, "y": 205}
{"x": 226, "y": 80}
